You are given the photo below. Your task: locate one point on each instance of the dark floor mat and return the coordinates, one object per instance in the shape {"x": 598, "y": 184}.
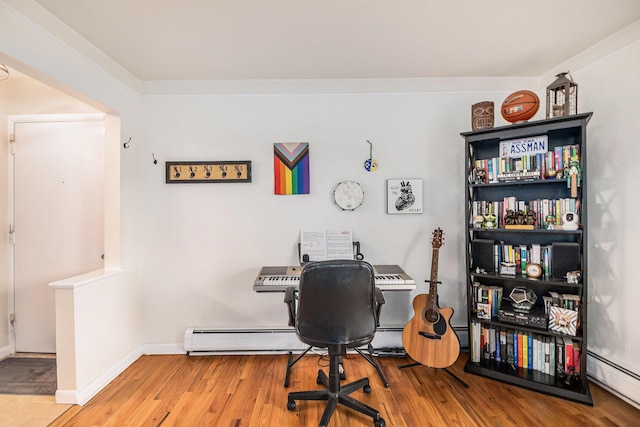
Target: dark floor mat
{"x": 28, "y": 375}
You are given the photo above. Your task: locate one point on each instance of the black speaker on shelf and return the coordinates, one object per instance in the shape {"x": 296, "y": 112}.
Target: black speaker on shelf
{"x": 565, "y": 257}
{"x": 482, "y": 255}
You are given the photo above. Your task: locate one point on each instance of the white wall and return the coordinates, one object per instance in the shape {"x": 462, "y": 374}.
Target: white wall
{"x": 39, "y": 53}
{"x": 608, "y": 85}
{"x": 611, "y": 88}
{"x": 205, "y": 243}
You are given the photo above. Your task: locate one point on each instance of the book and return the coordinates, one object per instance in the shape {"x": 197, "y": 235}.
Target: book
{"x": 576, "y": 357}
{"x": 511, "y": 351}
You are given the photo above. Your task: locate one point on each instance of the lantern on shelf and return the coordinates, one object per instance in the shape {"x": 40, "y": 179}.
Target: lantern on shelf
{"x": 562, "y": 96}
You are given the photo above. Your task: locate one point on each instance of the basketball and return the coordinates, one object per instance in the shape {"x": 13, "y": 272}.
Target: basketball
{"x": 520, "y": 106}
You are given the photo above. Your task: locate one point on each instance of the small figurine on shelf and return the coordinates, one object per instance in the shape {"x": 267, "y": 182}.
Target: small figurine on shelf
{"x": 490, "y": 220}
{"x": 574, "y": 176}
{"x": 550, "y": 222}
{"x": 479, "y": 176}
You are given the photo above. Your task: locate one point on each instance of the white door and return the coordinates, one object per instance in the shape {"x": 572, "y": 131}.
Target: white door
{"x": 58, "y": 219}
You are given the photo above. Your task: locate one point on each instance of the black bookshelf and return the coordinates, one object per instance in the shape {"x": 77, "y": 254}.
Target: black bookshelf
{"x": 489, "y": 357}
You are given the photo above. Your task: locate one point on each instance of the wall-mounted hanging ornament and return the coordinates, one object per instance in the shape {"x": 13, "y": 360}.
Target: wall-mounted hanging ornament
{"x": 291, "y": 168}
{"x": 370, "y": 164}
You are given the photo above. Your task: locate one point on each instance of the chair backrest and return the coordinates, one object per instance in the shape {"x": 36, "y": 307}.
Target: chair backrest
{"x": 336, "y": 304}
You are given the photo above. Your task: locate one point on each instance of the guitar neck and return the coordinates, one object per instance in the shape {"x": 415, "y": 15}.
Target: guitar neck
{"x": 433, "y": 283}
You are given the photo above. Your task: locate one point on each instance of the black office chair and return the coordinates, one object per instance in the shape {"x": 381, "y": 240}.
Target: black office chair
{"x": 337, "y": 310}
{"x": 290, "y": 300}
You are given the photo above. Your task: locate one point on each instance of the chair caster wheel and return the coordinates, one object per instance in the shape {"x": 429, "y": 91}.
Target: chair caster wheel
{"x": 291, "y": 405}
{"x": 367, "y": 390}
{"x": 380, "y": 423}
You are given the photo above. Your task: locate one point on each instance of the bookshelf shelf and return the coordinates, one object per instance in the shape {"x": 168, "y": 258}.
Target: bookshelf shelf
{"x": 544, "y": 350}
{"x": 532, "y": 380}
{"x": 526, "y": 280}
{"x": 545, "y": 182}
{"x": 533, "y": 231}
{"x": 545, "y": 332}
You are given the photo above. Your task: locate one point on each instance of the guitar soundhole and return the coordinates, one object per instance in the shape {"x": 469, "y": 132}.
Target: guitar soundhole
{"x": 439, "y": 323}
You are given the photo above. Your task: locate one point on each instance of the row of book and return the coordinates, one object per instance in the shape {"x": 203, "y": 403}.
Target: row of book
{"x": 487, "y": 299}
{"x": 566, "y": 301}
{"x": 548, "y": 212}
{"x": 524, "y": 349}
{"x": 549, "y": 165}
{"x": 521, "y": 255}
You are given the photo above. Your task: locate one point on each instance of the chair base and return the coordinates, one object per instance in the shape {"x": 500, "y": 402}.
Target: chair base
{"x": 336, "y": 394}
{"x": 369, "y": 358}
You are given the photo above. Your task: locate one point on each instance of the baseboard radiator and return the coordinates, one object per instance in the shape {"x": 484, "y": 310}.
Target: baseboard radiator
{"x": 201, "y": 341}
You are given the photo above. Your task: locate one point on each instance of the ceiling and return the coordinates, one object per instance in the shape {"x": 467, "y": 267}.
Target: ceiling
{"x": 342, "y": 39}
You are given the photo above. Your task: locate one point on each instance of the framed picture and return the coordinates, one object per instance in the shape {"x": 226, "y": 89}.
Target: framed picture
{"x": 404, "y": 196}
{"x": 563, "y": 320}
{"x": 199, "y": 172}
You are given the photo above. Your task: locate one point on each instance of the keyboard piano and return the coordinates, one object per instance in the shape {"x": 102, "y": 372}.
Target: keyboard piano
{"x": 277, "y": 279}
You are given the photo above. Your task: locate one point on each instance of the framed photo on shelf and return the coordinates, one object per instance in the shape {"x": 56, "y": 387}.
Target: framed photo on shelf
{"x": 404, "y": 196}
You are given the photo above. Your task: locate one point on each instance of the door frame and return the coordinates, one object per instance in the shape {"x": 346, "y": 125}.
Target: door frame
{"x": 12, "y": 121}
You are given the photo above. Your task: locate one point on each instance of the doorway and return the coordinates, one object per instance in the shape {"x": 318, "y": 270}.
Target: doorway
{"x": 57, "y": 227}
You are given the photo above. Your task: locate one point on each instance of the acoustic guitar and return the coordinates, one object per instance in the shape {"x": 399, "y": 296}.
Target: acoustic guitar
{"x": 428, "y": 337}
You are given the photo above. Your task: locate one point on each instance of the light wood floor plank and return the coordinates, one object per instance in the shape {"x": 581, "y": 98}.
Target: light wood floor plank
{"x": 238, "y": 391}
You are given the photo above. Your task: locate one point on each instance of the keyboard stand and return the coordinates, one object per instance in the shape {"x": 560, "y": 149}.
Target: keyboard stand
{"x": 290, "y": 363}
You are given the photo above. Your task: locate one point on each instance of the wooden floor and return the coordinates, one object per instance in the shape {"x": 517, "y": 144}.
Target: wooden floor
{"x": 29, "y": 411}
{"x": 233, "y": 391}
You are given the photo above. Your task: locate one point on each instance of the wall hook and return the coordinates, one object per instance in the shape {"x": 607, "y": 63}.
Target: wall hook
{"x": 155, "y": 162}
{"x": 126, "y": 144}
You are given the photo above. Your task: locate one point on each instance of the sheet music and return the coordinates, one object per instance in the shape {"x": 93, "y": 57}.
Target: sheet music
{"x": 339, "y": 244}
{"x": 321, "y": 245}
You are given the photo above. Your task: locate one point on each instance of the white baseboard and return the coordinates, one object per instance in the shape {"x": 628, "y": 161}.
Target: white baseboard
{"x": 155, "y": 349}
{"x": 614, "y": 378}
{"x": 270, "y": 341}
{"x": 80, "y": 397}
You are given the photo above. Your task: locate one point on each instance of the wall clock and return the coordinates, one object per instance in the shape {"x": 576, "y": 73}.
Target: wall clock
{"x": 198, "y": 172}
{"x": 348, "y": 195}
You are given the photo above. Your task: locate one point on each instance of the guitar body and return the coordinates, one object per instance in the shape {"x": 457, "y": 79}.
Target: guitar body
{"x": 431, "y": 343}
{"x": 428, "y": 337}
